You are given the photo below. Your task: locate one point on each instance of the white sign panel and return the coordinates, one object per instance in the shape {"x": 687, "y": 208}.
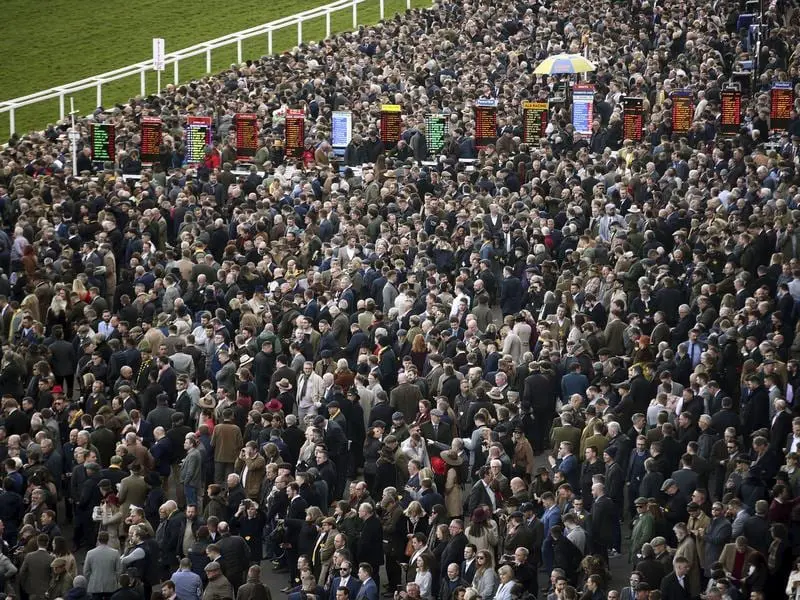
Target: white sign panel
{"x": 158, "y": 54}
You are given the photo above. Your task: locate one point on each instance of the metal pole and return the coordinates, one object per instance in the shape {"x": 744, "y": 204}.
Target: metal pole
{"x": 158, "y": 82}
{"x": 299, "y": 32}
{"x": 177, "y": 80}
{"x": 99, "y": 94}
{"x": 355, "y": 14}
{"x": 74, "y": 138}
{"x": 328, "y": 24}
{"x": 208, "y": 60}
{"x": 239, "y": 51}
{"x": 381, "y": 10}
{"x": 61, "y": 106}
{"x": 12, "y": 121}
{"x": 408, "y": 4}
{"x": 269, "y": 42}
{"x": 143, "y": 83}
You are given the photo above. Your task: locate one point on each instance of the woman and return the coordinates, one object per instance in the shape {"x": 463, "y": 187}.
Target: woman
{"x": 306, "y": 530}
{"x": 416, "y": 521}
{"x": 793, "y": 585}
{"x": 453, "y": 498}
{"x": 757, "y": 576}
{"x": 111, "y": 517}
{"x": 343, "y": 376}
{"x": 216, "y": 505}
{"x": 197, "y": 552}
{"x": 424, "y": 414}
{"x": 61, "y": 550}
{"x": 57, "y": 313}
{"x": 419, "y": 352}
{"x": 485, "y": 580}
{"x": 387, "y": 473}
{"x": 423, "y": 577}
{"x": 482, "y": 530}
{"x": 250, "y": 519}
{"x": 687, "y": 548}
{"x": 506, "y": 584}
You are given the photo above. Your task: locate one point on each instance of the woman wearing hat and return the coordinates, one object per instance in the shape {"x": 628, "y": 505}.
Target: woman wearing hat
{"x": 453, "y": 480}
{"x": 110, "y": 512}
{"x": 482, "y": 530}
{"x": 285, "y": 395}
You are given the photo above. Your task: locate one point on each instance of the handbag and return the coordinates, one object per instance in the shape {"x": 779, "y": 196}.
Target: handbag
{"x": 409, "y": 548}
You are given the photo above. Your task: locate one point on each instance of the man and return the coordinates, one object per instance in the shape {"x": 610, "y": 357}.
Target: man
{"x": 218, "y": 587}
{"x": 345, "y": 579}
{"x": 168, "y": 536}
{"x": 60, "y": 582}
{"x": 235, "y": 555}
{"x": 34, "y": 574}
{"x": 102, "y": 569}
{"x": 717, "y": 535}
{"x": 188, "y": 585}
{"x": 469, "y": 565}
{"x": 452, "y": 581}
{"x": 252, "y": 468}
{"x": 604, "y": 516}
{"x": 191, "y": 471}
{"x": 254, "y": 589}
{"x": 454, "y": 550}
{"x": 675, "y": 586}
{"x": 369, "y": 588}
{"x": 369, "y": 548}
{"x": 227, "y": 442}
{"x": 438, "y": 436}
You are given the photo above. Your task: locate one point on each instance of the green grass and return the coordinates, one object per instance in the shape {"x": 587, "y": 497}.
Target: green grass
{"x": 72, "y": 41}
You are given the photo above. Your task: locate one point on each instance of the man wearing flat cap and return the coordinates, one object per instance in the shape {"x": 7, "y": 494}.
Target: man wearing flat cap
{"x": 218, "y": 587}
{"x": 437, "y": 434}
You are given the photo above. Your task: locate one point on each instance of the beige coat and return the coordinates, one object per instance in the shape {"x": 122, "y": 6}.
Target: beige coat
{"x": 453, "y": 498}
{"x": 132, "y": 490}
{"x": 688, "y": 549}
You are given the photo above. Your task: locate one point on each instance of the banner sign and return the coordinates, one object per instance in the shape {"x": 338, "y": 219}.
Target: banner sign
{"x": 198, "y": 136}
{"x": 485, "y": 122}
{"x": 150, "y": 148}
{"x": 781, "y": 102}
{"x": 391, "y": 119}
{"x": 295, "y": 133}
{"x": 436, "y": 130}
{"x": 730, "y": 112}
{"x": 682, "y": 111}
{"x": 632, "y": 118}
{"x": 246, "y": 125}
{"x": 104, "y": 137}
{"x": 342, "y": 129}
{"x": 159, "y": 56}
{"x": 582, "y": 108}
{"x": 534, "y": 121}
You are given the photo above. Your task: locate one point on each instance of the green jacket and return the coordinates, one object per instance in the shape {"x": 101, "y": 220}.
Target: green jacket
{"x": 644, "y": 529}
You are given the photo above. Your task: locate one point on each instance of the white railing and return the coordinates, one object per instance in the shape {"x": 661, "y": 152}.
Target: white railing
{"x": 174, "y": 58}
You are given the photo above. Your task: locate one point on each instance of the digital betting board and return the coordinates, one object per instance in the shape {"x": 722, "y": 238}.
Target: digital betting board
{"x": 436, "y": 130}
{"x": 485, "y": 122}
{"x": 341, "y": 130}
{"x": 582, "y": 108}
{"x": 534, "y": 121}
{"x": 730, "y": 112}
{"x": 246, "y": 135}
{"x": 682, "y": 111}
{"x": 295, "y": 133}
{"x": 632, "y": 118}
{"x": 781, "y": 103}
{"x": 104, "y": 137}
{"x": 150, "y": 148}
{"x": 391, "y": 119}
{"x": 198, "y": 136}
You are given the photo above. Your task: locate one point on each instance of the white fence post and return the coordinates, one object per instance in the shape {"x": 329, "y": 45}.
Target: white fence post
{"x": 355, "y": 14}
{"x": 208, "y": 60}
{"x": 299, "y": 31}
{"x": 61, "y": 106}
{"x": 408, "y": 4}
{"x": 327, "y": 24}
{"x": 143, "y": 83}
{"x": 239, "y": 51}
{"x": 177, "y": 79}
{"x": 12, "y": 121}
{"x": 99, "y": 93}
{"x": 381, "y": 10}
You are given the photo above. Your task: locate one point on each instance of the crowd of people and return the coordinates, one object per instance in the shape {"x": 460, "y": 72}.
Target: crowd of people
{"x": 564, "y": 369}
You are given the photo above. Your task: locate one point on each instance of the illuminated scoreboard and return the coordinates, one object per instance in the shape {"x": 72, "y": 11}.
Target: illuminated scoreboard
{"x": 246, "y": 135}
{"x": 150, "y": 148}
{"x": 534, "y": 121}
{"x": 391, "y": 119}
{"x": 485, "y": 122}
{"x": 730, "y": 112}
{"x": 582, "y": 108}
{"x": 341, "y": 130}
{"x": 682, "y": 111}
{"x": 436, "y": 130}
{"x": 198, "y": 136}
{"x": 295, "y": 133}
{"x": 781, "y": 103}
{"x": 632, "y": 118}
{"x": 104, "y": 137}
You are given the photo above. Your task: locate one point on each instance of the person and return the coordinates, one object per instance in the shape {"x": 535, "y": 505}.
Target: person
{"x": 102, "y": 568}
{"x": 218, "y": 586}
{"x": 253, "y": 588}
{"x": 675, "y": 586}
{"x": 369, "y": 588}
{"x": 188, "y": 585}
{"x": 34, "y": 574}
